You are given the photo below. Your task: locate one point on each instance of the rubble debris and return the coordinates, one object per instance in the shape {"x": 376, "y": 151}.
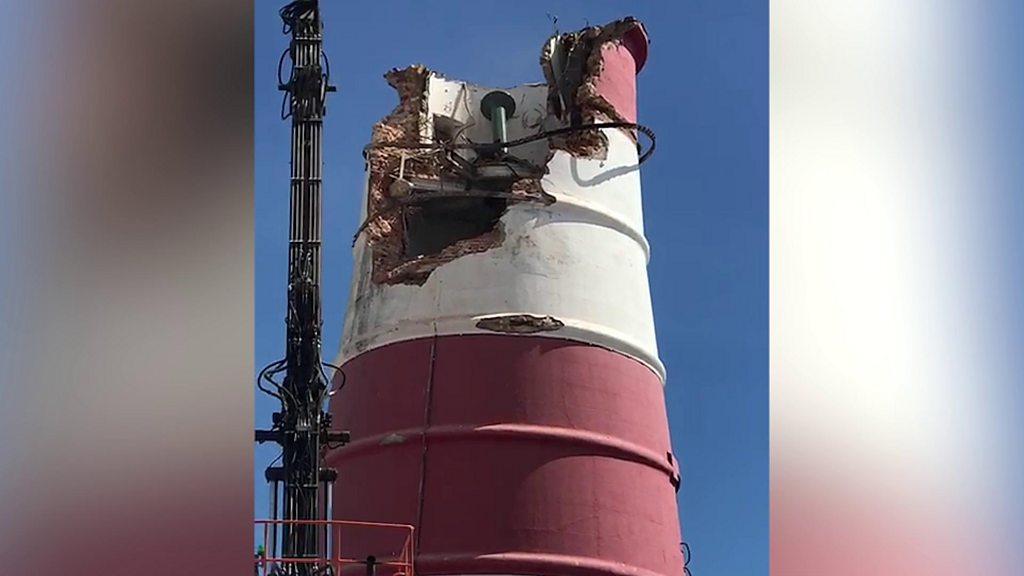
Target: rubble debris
{"x": 580, "y": 94}
{"x": 519, "y": 323}
{"x": 385, "y": 226}
{"x": 434, "y": 196}
{"x": 424, "y": 207}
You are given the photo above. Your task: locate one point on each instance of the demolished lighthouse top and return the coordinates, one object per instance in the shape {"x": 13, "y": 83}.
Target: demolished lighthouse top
{"x": 513, "y": 211}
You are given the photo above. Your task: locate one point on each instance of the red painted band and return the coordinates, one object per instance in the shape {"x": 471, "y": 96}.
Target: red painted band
{"x": 602, "y": 444}
{"x": 541, "y": 456}
{"x": 526, "y": 563}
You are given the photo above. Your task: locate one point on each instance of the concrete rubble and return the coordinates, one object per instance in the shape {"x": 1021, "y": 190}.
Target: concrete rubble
{"x": 424, "y": 191}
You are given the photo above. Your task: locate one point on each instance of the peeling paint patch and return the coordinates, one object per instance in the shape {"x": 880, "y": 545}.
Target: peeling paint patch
{"x": 394, "y": 438}
{"x": 519, "y": 323}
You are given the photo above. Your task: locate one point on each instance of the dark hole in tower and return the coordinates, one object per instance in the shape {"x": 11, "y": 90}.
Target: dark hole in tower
{"x": 435, "y": 224}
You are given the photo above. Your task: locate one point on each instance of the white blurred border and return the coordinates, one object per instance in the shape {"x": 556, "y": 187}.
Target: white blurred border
{"x": 891, "y": 382}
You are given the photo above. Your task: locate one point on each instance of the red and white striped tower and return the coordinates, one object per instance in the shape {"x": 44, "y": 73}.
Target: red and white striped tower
{"x": 504, "y": 392}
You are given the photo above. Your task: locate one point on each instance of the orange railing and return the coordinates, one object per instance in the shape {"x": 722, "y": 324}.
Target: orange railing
{"x": 347, "y": 547}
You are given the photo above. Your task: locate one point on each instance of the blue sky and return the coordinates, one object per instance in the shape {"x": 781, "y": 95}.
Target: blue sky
{"x": 704, "y": 91}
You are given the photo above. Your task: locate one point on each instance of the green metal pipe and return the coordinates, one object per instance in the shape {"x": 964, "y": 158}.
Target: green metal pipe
{"x": 499, "y": 126}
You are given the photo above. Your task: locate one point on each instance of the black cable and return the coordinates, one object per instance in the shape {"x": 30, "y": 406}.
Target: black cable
{"x": 325, "y": 384}
{"x": 280, "y": 65}
{"x": 528, "y": 139}
{"x": 326, "y": 67}
{"x": 686, "y": 559}
{"x": 267, "y": 374}
{"x": 451, "y": 146}
{"x": 344, "y": 379}
{"x": 337, "y": 370}
{"x": 263, "y": 372}
{"x": 275, "y": 460}
{"x": 286, "y": 106}
{"x": 292, "y": 12}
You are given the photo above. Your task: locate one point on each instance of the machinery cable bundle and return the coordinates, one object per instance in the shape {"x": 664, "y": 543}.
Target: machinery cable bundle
{"x": 302, "y": 427}
{"x": 486, "y": 147}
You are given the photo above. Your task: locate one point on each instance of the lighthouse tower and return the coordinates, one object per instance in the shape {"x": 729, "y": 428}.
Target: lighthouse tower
{"x": 500, "y": 374}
